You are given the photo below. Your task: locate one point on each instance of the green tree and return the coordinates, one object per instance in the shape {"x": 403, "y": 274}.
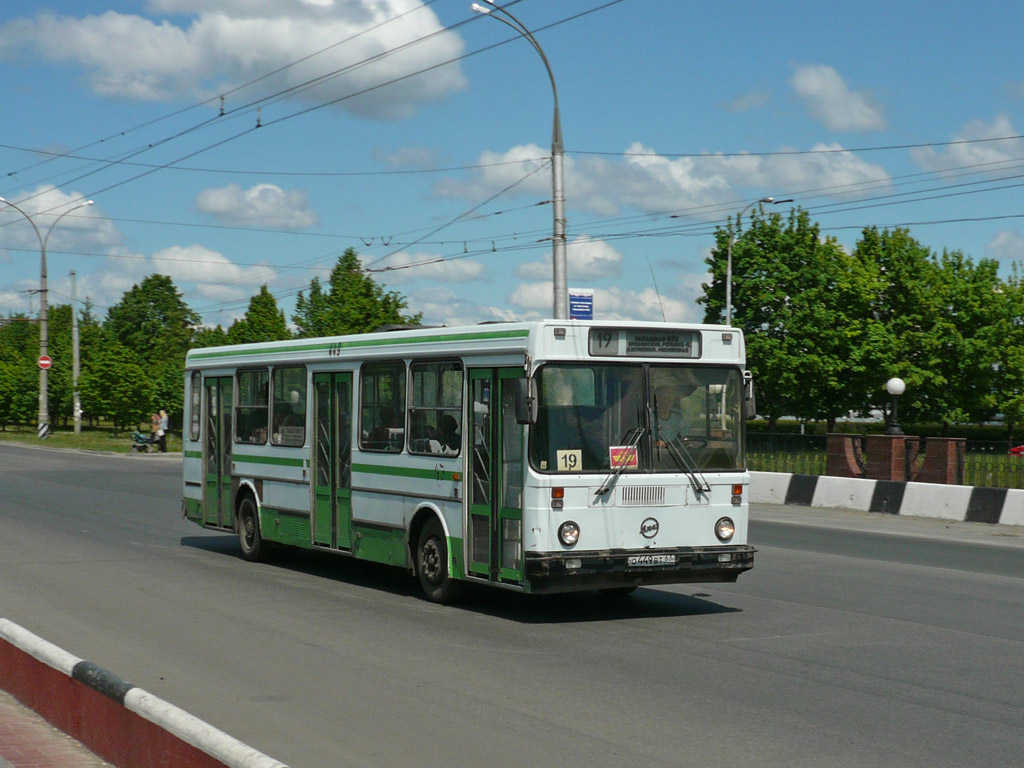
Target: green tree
{"x": 352, "y": 303}
{"x": 937, "y": 313}
{"x": 115, "y": 384}
{"x": 263, "y": 321}
{"x": 1005, "y": 337}
{"x": 972, "y": 296}
{"x": 153, "y": 321}
{"x": 60, "y": 378}
{"x": 210, "y": 337}
{"x": 804, "y": 305}
{"x": 19, "y": 374}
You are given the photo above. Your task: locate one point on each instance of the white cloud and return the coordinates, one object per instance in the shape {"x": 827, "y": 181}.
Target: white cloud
{"x": 833, "y": 170}
{"x": 520, "y": 168}
{"x": 979, "y": 153}
{"x": 81, "y": 229}
{"x": 1007, "y": 245}
{"x": 214, "y": 276}
{"x": 609, "y": 303}
{"x": 229, "y": 42}
{"x": 264, "y": 205}
{"x": 441, "y": 306}
{"x": 831, "y": 101}
{"x": 748, "y": 101}
{"x": 651, "y": 183}
{"x": 429, "y": 267}
{"x": 586, "y": 259}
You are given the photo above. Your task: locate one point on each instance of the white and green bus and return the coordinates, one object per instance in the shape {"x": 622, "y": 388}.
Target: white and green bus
{"x": 547, "y": 456}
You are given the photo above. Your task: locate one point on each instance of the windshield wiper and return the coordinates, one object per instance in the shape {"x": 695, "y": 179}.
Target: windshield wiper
{"x": 633, "y": 437}
{"x": 684, "y": 459}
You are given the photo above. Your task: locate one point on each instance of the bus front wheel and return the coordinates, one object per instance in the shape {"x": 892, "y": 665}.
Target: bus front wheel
{"x": 432, "y": 564}
{"x": 249, "y": 530}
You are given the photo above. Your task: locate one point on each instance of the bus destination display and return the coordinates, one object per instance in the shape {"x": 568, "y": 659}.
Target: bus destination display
{"x": 623, "y": 342}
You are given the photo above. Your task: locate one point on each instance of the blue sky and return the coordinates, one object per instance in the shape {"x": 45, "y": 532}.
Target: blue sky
{"x": 393, "y": 126}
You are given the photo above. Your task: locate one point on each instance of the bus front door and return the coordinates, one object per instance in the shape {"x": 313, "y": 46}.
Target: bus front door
{"x": 495, "y": 530}
{"x": 217, "y": 509}
{"x": 332, "y": 460}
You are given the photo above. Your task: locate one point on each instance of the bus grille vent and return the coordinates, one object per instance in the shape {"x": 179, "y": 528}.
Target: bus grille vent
{"x": 643, "y": 495}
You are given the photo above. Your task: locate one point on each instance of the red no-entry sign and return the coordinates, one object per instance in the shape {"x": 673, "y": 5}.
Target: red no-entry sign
{"x": 45, "y": 361}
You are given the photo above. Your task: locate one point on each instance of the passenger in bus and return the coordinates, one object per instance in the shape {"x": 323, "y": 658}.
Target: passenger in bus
{"x": 423, "y": 438}
{"x": 671, "y": 421}
{"x": 387, "y": 435}
{"x": 451, "y": 440}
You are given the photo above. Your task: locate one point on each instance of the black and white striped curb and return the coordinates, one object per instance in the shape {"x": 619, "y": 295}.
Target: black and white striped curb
{"x": 948, "y": 502}
{"x": 220, "y": 748}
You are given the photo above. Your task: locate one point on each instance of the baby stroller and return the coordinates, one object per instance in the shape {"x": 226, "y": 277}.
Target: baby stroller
{"x": 141, "y": 442}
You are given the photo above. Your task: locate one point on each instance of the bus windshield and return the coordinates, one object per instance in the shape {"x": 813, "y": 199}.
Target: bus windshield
{"x": 588, "y": 417}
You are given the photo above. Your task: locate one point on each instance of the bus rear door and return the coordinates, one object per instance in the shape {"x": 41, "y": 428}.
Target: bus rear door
{"x": 217, "y": 508}
{"x": 332, "y": 460}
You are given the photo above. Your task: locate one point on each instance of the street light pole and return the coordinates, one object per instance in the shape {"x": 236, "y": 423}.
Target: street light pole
{"x": 558, "y": 258}
{"x": 895, "y": 387}
{"x": 728, "y": 263}
{"x": 43, "y": 422}
{"x": 76, "y": 404}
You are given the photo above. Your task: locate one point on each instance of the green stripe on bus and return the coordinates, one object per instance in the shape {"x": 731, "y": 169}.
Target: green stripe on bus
{"x": 322, "y": 346}
{"x": 423, "y": 474}
{"x": 277, "y": 460}
{"x": 193, "y": 454}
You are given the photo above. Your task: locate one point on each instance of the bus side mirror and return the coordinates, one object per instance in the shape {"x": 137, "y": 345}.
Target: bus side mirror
{"x": 749, "y": 398}
{"x": 526, "y": 400}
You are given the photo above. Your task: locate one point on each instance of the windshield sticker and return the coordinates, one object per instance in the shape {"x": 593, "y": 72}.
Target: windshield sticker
{"x": 569, "y": 461}
{"x": 624, "y": 456}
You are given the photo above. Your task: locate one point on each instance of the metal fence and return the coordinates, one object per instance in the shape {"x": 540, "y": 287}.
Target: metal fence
{"x": 986, "y": 462}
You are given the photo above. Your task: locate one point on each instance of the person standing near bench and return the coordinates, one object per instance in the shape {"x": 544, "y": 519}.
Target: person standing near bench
{"x": 162, "y": 431}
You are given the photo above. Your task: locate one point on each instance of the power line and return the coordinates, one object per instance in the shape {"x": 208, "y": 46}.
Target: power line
{"x": 240, "y": 172}
{"x": 401, "y": 78}
{"x": 221, "y": 97}
{"x": 880, "y": 148}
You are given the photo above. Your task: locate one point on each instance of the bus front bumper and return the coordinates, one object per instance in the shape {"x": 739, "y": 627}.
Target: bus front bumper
{"x": 610, "y": 569}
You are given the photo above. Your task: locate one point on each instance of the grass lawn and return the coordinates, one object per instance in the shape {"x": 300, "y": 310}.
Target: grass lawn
{"x": 100, "y": 438}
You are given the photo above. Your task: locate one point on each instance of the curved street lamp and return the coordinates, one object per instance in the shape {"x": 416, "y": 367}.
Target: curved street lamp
{"x": 558, "y": 259}
{"x": 728, "y": 263}
{"x": 43, "y": 422}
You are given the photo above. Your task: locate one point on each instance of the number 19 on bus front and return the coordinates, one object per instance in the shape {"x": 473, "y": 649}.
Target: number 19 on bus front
{"x": 569, "y": 461}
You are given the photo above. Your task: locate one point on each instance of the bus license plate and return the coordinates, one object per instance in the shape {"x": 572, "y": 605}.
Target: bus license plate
{"x": 642, "y": 561}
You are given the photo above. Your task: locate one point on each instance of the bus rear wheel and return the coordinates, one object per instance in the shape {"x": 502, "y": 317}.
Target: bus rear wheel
{"x": 432, "y": 564}
{"x": 249, "y": 537}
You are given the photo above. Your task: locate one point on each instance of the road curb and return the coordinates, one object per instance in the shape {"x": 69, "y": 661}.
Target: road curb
{"x": 948, "y": 502}
{"x": 120, "y": 722}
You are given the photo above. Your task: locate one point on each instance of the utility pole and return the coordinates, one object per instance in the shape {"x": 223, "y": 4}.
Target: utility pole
{"x": 43, "y": 422}
{"x": 559, "y": 274}
{"x": 74, "y": 355}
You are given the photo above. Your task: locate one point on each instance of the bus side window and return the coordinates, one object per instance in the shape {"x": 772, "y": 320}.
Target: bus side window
{"x": 289, "y": 406}
{"x": 382, "y": 407}
{"x": 251, "y": 410}
{"x": 436, "y": 409}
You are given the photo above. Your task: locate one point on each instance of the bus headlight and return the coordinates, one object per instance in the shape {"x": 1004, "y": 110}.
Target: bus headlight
{"x": 569, "y": 533}
{"x": 725, "y": 528}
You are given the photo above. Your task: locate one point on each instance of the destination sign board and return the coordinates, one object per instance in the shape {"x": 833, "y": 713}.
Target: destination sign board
{"x": 628, "y": 342}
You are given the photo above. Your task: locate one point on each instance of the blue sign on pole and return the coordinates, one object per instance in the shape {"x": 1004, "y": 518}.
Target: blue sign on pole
{"x": 581, "y": 304}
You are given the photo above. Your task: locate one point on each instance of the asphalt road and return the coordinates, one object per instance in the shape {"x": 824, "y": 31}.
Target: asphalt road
{"x": 856, "y": 640}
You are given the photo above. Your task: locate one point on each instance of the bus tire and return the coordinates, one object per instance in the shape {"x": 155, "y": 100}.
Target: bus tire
{"x": 432, "y": 564}
{"x": 249, "y": 537}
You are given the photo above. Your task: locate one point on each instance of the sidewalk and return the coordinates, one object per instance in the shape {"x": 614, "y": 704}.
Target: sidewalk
{"x": 28, "y": 741}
